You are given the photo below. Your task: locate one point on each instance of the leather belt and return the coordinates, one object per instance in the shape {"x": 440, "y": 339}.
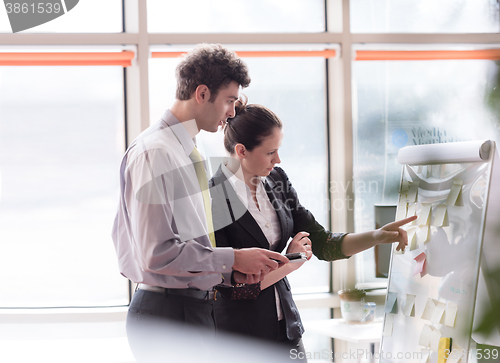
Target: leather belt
{"x": 196, "y": 294}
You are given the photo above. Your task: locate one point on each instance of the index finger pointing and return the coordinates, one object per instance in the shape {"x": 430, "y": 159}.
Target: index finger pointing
{"x": 404, "y": 221}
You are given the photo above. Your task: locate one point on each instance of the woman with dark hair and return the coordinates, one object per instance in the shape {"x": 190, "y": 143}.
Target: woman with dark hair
{"x": 255, "y": 205}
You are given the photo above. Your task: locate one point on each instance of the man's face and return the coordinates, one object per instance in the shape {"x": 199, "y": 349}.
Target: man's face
{"x": 215, "y": 114}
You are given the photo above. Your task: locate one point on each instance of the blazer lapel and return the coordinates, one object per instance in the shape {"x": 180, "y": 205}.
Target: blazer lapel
{"x": 241, "y": 214}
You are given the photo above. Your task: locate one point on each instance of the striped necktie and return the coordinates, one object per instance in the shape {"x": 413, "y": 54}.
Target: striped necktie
{"x": 197, "y": 160}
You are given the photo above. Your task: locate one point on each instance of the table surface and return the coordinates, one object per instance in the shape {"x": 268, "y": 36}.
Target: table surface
{"x": 350, "y": 332}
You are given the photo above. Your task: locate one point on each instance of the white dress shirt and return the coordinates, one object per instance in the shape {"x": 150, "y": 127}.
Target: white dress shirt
{"x": 160, "y": 230}
{"x": 265, "y": 215}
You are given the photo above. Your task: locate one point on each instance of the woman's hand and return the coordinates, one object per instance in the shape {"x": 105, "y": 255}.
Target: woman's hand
{"x": 392, "y": 232}
{"x": 300, "y": 243}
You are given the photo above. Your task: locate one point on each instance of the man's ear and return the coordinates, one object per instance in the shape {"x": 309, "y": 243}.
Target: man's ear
{"x": 202, "y": 93}
{"x": 240, "y": 151}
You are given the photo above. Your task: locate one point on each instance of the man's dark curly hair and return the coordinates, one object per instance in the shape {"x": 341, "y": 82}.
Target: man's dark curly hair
{"x": 211, "y": 65}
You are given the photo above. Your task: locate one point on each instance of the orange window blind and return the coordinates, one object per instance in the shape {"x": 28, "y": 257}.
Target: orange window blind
{"x": 123, "y": 59}
{"x": 328, "y": 53}
{"x": 374, "y": 55}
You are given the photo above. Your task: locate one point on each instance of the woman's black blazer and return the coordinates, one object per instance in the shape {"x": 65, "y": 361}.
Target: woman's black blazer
{"x": 235, "y": 227}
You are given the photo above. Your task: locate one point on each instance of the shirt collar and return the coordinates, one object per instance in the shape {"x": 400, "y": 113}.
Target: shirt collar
{"x": 235, "y": 181}
{"x": 180, "y": 131}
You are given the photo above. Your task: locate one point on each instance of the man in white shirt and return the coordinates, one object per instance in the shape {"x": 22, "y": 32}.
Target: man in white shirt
{"x": 162, "y": 231}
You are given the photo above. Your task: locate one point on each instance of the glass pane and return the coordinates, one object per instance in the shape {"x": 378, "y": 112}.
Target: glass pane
{"x": 424, "y": 16}
{"x": 229, "y": 16}
{"x": 88, "y": 16}
{"x": 299, "y": 101}
{"x": 61, "y": 142}
{"x": 401, "y": 103}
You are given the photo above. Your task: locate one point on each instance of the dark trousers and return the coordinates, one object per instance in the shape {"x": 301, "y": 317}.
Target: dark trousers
{"x": 295, "y": 346}
{"x": 165, "y": 328}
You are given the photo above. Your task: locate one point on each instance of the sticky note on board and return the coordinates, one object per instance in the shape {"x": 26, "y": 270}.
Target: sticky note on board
{"x": 411, "y": 197}
{"x": 434, "y": 340}
{"x": 425, "y": 336}
{"x": 455, "y": 196}
{"x": 437, "y": 314}
{"x": 440, "y": 216}
{"x": 391, "y": 306}
{"x": 402, "y": 205}
{"x": 389, "y": 320}
{"x": 429, "y": 309}
{"x": 411, "y": 211}
{"x": 424, "y": 217}
{"x": 420, "y": 266}
{"x": 409, "y": 309}
{"x": 450, "y": 314}
{"x": 405, "y": 186}
{"x": 423, "y": 234}
{"x": 444, "y": 349}
{"x": 412, "y": 238}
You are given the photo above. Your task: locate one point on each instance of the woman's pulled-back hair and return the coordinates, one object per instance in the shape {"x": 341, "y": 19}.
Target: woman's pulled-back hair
{"x": 211, "y": 65}
{"x": 250, "y": 125}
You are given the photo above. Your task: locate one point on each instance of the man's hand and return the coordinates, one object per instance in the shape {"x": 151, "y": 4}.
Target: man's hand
{"x": 257, "y": 261}
{"x": 392, "y": 232}
{"x": 300, "y": 243}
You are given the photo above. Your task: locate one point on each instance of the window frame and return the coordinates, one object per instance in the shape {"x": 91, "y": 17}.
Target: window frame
{"x": 135, "y": 36}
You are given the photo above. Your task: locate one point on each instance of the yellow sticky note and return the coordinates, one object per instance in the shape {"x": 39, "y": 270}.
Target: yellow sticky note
{"x": 429, "y": 309}
{"x": 444, "y": 349}
{"x": 425, "y": 214}
{"x": 411, "y": 211}
{"x": 440, "y": 216}
{"x": 389, "y": 320}
{"x": 405, "y": 186}
{"x": 423, "y": 234}
{"x": 412, "y": 238}
{"x": 450, "y": 314}
{"x": 455, "y": 196}
{"x": 425, "y": 336}
{"x": 409, "y": 309}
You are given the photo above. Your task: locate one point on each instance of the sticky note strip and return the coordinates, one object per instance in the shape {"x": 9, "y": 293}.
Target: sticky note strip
{"x": 411, "y": 211}
{"x": 412, "y": 238}
{"x": 405, "y": 186}
{"x": 440, "y": 216}
{"x": 425, "y": 336}
{"x": 456, "y": 353}
{"x": 425, "y": 214}
{"x": 425, "y": 354}
{"x": 389, "y": 320}
{"x": 444, "y": 349}
{"x": 429, "y": 309}
{"x": 391, "y": 306}
{"x": 434, "y": 340}
{"x": 455, "y": 196}
{"x": 423, "y": 234}
{"x": 437, "y": 314}
{"x": 409, "y": 309}
{"x": 412, "y": 193}
{"x": 402, "y": 205}
{"x": 420, "y": 267}
{"x": 450, "y": 314}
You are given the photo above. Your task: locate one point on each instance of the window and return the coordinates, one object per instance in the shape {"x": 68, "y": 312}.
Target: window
{"x": 424, "y": 16}
{"x": 300, "y": 102}
{"x": 61, "y": 142}
{"x": 241, "y": 16}
{"x": 400, "y": 103}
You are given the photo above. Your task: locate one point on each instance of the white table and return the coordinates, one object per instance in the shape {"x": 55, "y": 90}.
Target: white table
{"x": 350, "y": 332}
